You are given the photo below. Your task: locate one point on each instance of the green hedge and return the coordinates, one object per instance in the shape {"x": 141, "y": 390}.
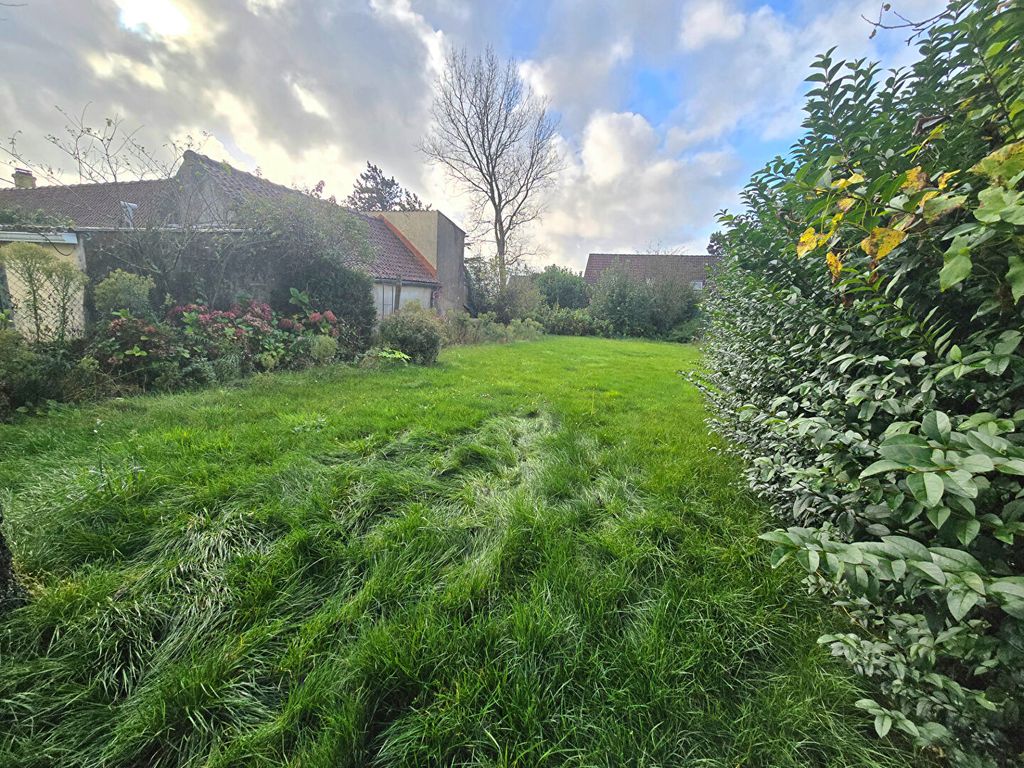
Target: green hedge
{"x": 866, "y": 359}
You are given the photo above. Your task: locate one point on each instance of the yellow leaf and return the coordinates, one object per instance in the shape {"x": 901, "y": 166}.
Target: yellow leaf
{"x": 846, "y": 204}
{"x": 808, "y": 242}
{"x": 945, "y": 178}
{"x": 1003, "y": 165}
{"x": 881, "y": 242}
{"x": 916, "y": 180}
{"x": 928, "y": 196}
{"x": 835, "y": 265}
{"x": 844, "y": 183}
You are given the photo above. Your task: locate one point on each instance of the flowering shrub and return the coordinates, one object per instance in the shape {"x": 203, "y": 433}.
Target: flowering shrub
{"x": 146, "y": 354}
{"x": 867, "y": 361}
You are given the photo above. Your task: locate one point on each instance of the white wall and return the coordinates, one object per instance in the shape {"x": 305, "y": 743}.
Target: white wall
{"x": 384, "y": 297}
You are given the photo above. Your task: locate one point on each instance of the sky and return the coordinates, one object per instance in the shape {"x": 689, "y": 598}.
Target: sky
{"x": 665, "y": 106}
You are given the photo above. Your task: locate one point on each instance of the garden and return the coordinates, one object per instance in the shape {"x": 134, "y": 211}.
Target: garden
{"x": 526, "y": 554}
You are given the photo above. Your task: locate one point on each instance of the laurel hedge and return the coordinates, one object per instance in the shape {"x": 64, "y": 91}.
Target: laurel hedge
{"x": 865, "y": 356}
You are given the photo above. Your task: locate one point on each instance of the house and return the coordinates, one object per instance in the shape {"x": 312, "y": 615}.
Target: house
{"x": 691, "y": 269}
{"x": 415, "y": 255}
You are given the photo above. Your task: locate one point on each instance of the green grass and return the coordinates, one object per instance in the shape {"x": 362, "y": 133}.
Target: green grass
{"x": 529, "y": 555}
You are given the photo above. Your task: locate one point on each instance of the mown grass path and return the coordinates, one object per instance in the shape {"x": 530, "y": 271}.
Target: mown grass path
{"x": 528, "y": 555}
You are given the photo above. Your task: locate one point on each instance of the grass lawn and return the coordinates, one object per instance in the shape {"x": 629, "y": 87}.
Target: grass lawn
{"x": 528, "y": 555}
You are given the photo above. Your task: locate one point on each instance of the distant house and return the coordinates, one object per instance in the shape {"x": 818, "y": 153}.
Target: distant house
{"x": 415, "y": 255}
{"x": 692, "y": 269}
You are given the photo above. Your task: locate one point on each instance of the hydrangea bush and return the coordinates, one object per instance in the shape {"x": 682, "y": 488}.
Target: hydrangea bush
{"x": 865, "y": 357}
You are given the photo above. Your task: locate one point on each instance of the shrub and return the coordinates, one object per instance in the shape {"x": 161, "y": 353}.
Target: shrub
{"x": 19, "y": 373}
{"x": 559, "y": 321}
{"x": 45, "y": 291}
{"x": 123, "y": 291}
{"x": 329, "y": 286}
{"x": 866, "y": 355}
{"x": 624, "y": 304}
{"x": 460, "y": 328}
{"x": 323, "y": 349}
{"x": 687, "y": 331}
{"x": 417, "y": 333}
{"x": 145, "y": 354}
{"x": 561, "y": 287}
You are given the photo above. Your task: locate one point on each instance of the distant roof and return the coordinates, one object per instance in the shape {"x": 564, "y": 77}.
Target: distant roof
{"x": 688, "y": 267}
{"x": 99, "y": 206}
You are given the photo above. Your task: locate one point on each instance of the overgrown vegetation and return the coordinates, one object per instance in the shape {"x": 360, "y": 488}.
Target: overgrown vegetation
{"x": 866, "y": 359}
{"x": 526, "y": 555}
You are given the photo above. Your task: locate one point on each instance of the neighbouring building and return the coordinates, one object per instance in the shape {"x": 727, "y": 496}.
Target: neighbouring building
{"x": 692, "y": 269}
{"x": 415, "y": 255}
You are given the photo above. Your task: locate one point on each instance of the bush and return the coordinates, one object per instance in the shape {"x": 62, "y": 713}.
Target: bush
{"x": 123, "y": 291}
{"x": 417, "y": 333}
{"x": 330, "y": 286}
{"x": 19, "y": 373}
{"x": 624, "y": 304}
{"x": 323, "y": 349}
{"x": 141, "y": 354}
{"x": 460, "y": 328}
{"x": 573, "y": 322}
{"x": 561, "y": 287}
{"x": 688, "y": 331}
{"x": 866, "y": 355}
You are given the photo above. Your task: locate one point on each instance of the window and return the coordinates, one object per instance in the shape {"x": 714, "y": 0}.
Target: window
{"x": 387, "y": 300}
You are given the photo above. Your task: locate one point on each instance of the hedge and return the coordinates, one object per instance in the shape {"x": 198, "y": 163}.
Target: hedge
{"x": 865, "y": 356}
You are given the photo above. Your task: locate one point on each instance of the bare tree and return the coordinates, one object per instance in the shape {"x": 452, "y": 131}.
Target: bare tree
{"x": 496, "y": 140}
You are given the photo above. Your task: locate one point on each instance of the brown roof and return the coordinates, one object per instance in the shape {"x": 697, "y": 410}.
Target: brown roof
{"x": 653, "y": 266}
{"x": 98, "y": 206}
{"x": 92, "y": 206}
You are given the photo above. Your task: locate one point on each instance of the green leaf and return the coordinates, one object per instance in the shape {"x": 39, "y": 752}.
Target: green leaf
{"x": 937, "y": 207}
{"x": 1012, "y": 467}
{"x": 960, "y": 602}
{"x": 809, "y": 559}
{"x": 956, "y": 268}
{"x": 936, "y": 425}
{"x": 1009, "y": 593}
{"x": 883, "y": 723}
{"x": 929, "y": 569}
{"x": 1015, "y": 276}
{"x": 938, "y": 516}
{"x": 967, "y": 530}
{"x": 907, "y": 449}
{"x": 927, "y": 488}
{"x": 883, "y": 465}
{"x": 976, "y": 464}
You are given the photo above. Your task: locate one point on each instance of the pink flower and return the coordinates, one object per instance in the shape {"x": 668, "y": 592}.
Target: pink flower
{"x": 330, "y": 317}
{"x": 315, "y": 317}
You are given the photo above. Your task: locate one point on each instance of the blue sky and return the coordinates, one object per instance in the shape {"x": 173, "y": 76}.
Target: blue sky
{"x": 666, "y": 106}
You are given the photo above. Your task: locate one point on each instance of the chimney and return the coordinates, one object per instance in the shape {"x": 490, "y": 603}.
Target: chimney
{"x": 23, "y": 179}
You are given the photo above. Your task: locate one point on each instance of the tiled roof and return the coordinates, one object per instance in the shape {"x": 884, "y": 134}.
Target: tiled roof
{"x": 394, "y": 260}
{"x": 98, "y": 206}
{"x": 687, "y": 267}
{"x": 94, "y": 206}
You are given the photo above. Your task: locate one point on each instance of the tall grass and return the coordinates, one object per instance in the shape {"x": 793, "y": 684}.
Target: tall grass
{"x": 530, "y": 555}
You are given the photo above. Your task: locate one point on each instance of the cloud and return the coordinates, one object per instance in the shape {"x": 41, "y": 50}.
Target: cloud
{"x": 626, "y": 190}
{"x": 306, "y": 90}
{"x": 708, "y": 22}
